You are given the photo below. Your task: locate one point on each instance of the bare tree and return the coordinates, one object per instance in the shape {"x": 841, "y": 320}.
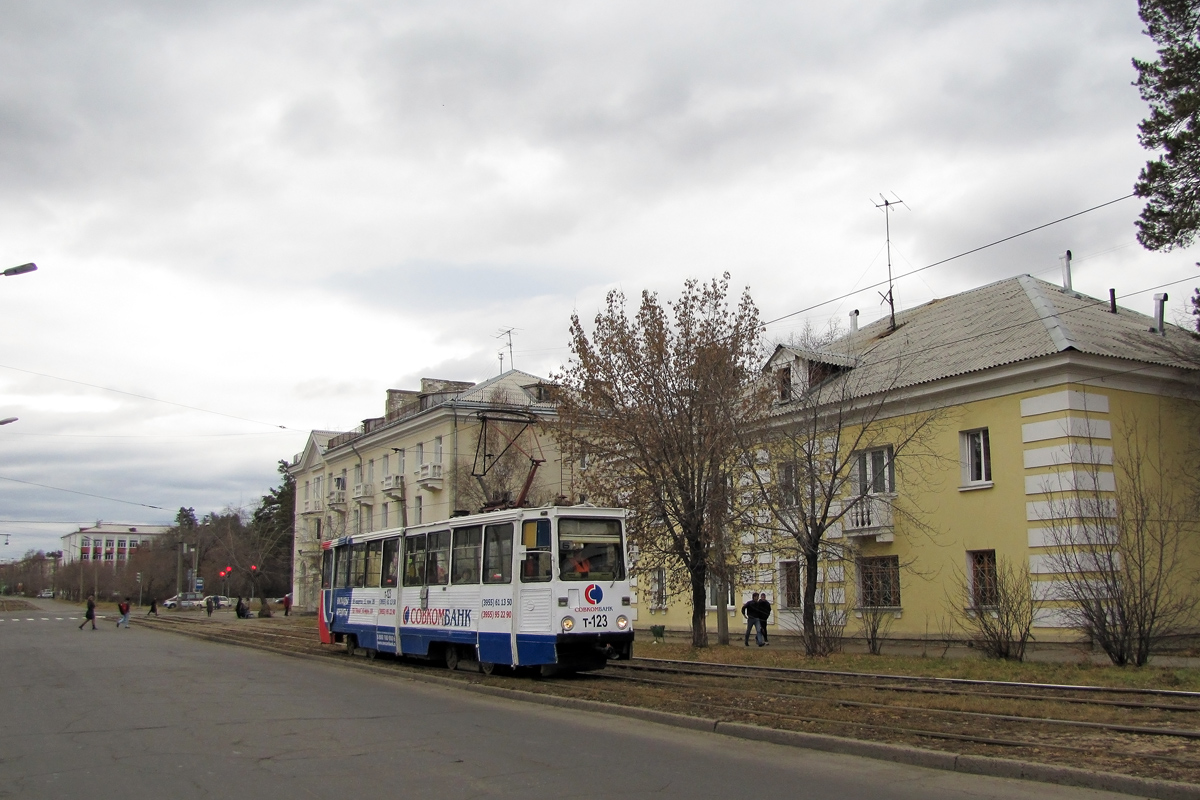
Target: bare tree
{"x": 1004, "y": 602}
{"x": 506, "y": 464}
{"x": 840, "y": 437}
{"x": 1118, "y": 544}
{"x": 654, "y": 403}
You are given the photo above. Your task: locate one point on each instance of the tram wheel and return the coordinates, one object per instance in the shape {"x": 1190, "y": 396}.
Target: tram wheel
{"x": 351, "y": 644}
{"x": 452, "y": 657}
{"x": 371, "y": 654}
{"x": 487, "y": 667}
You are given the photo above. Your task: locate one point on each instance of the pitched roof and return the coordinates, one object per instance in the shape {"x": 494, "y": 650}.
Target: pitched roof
{"x": 1013, "y": 320}
{"x": 507, "y": 389}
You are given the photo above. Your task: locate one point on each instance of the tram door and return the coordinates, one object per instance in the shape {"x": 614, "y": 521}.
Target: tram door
{"x": 535, "y": 641}
{"x": 496, "y": 595}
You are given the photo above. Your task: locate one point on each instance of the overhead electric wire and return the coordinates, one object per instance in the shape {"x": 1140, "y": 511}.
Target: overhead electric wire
{"x": 945, "y": 260}
{"x": 85, "y": 494}
{"x": 144, "y": 397}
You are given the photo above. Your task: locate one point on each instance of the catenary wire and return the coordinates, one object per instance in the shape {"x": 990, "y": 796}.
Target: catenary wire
{"x": 85, "y": 494}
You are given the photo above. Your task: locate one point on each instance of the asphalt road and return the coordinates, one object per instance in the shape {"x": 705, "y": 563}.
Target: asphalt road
{"x": 137, "y": 713}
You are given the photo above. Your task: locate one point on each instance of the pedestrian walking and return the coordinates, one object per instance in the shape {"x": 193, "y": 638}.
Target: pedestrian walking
{"x": 123, "y": 607}
{"x": 764, "y": 614}
{"x": 208, "y": 604}
{"x": 287, "y": 604}
{"x": 90, "y": 614}
{"x": 750, "y": 612}
{"x": 153, "y": 607}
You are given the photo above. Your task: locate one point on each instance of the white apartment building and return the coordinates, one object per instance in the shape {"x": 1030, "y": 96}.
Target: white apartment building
{"x": 110, "y": 542}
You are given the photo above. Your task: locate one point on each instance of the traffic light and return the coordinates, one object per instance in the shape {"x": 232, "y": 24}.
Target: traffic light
{"x": 253, "y": 568}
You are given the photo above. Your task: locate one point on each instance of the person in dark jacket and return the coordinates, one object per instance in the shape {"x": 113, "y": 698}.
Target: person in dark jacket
{"x": 153, "y": 607}
{"x": 750, "y": 611}
{"x": 240, "y": 609}
{"x": 90, "y": 614}
{"x": 764, "y": 614}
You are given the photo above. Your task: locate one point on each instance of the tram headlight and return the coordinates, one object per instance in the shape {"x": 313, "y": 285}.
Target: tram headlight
{"x": 568, "y": 624}
{"x": 622, "y": 622}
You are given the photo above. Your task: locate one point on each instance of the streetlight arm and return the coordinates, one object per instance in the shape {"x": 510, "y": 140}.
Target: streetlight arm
{"x": 21, "y": 270}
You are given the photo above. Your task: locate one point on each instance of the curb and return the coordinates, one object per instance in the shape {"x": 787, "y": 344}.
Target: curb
{"x": 989, "y": 766}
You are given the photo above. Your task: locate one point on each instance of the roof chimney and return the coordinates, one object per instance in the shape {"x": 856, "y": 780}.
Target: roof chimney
{"x": 1067, "y": 271}
{"x": 854, "y": 321}
{"x": 1160, "y": 307}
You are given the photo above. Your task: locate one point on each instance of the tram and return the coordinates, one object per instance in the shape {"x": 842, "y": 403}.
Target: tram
{"x": 525, "y": 587}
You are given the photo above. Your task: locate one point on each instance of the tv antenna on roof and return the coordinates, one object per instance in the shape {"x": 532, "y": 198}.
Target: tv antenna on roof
{"x": 886, "y": 206}
{"x": 507, "y": 332}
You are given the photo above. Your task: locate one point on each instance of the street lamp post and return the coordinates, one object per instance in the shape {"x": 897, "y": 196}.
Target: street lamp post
{"x": 21, "y": 270}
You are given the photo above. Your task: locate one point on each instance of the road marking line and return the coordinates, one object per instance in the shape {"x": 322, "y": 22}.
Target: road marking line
{"x": 30, "y": 619}
{"x": 45, "y": 619}
{"x": 59, "y": 619}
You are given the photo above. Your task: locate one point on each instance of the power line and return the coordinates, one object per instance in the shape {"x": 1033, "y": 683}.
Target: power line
{"x": 85, "y": 494}
{"x": 144, "y": 397}
{"x": 946, "y": 260}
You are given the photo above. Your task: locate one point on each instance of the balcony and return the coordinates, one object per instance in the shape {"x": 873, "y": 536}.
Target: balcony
{"x": 314, "y": 506}
{"x": 871, "y": 515}
{"x": 337, "y": 497}
{"x": 429, "y": 476}
{"x": 392, "y": 485}
{"x": 364, "y": 493}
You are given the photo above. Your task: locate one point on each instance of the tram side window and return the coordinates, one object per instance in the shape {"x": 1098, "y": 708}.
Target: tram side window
{"x": 437, "y": 561}
{"x": 341, "y": 573}
{"x": 391, "y": 563}
{"x": 358, "y": 565}
{"x": 467, "y": 543}
{"x": 538, "y": 561}
{"x": 414, "y": 560}
{"x": 326, "y": 569}
{"x": 374, "y": 562}
{"x": 497, "y": 553}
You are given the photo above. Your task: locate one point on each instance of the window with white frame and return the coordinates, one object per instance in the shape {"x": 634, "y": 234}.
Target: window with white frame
{"x": 371, "y": 470}
{"x": 437, "y": 449}
{"x": 386, "y": 471}
{"x": 784, "y": 376}
{"x": 417, "y": 509}
{"x": 879, "y": 581}
{"x": 874, "y": 471}
{"x": 712, "y": 591}
{"x": 358, "y": 473}
{"x": 384, "y": 512}
{"x": 791, "y": 586}
{"x": 789, "y": 496}
{"x": 420, "y": 453}
{"x": 656, "y": 588}
{"x": 976, "y": 457}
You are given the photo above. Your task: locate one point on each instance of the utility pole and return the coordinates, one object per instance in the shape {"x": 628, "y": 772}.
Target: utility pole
{"x": 886, "y": 207}
{"x": 507, "y": 332}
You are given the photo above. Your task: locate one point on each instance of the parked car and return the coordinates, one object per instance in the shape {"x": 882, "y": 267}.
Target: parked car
{"x": 219, "y": 601}
{"x": 184, "y": 601}
{"x": 48, "y": 593}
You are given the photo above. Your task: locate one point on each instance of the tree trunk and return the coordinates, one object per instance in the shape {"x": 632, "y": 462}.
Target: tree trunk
{"x": 699, "y": 608}
{"x": 723, "y": 614}
{"x": 810, "y": 599}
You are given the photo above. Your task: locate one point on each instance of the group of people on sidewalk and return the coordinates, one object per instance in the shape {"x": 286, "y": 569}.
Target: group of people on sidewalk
{"x": 756, "y": 610}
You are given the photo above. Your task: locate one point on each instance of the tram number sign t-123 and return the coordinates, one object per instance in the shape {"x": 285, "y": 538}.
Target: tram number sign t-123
{"x": 596, "y": 621}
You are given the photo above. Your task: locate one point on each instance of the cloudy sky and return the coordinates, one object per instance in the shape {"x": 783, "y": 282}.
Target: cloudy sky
{"x": 271, "y": 212}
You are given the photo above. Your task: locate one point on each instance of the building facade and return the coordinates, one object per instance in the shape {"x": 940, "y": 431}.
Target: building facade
{"x": 443, "y": 450}
{"x": 110, "y": 543}
{"x": 1032, "y": 400}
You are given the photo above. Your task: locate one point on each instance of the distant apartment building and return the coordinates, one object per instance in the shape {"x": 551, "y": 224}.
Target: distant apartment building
{"x": 422, "y": 462}
{"x": 109, "y": 542}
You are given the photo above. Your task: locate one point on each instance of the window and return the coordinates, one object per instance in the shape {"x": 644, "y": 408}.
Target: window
{"x": 374, "y": 562}
{"x": 358, "y": 565}
{"x": 326, "y": 569}
{"x": 784, "y": 377}
{"x": 370, "y": 470}
{"x": 414, "y": 560}
{"x": 712, "y": 591}
{"x": 306, "y": 490}
{"x": 120, "y": 544}
{"x": 384, "y": 515}
{"x": 133, "y": 544}
{"x": 437, "y": 450}
{"x": 656, "y": 589}
{"x": 984, "y": 586}
{"x": 879, "y": 579}
{"x": 791, "y": 589}
{"x": 108, "y": 543}
{"x": 875, "y": 473}
{"x": 590, "y": 550}
{"x": 976, "y": 457}
{"x": 341, "y": 578}
{"x": 400, "y": 461}
{"x": 417, "y": 509}
{"x": 420, "y": 453}
{"x": 358, "y": 473}
{"x": 465, "y": 562}
{"x": 538, "y": 561}
{"x": 391, "y": 563}
{"x": 497, "y": 553}
{"x": 788, "y": 496}
{"x": 386, "y": 472}
{"x": 437, "y": 559}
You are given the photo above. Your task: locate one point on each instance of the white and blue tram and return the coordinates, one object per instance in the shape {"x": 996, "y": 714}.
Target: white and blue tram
{"x": 523, "y": 587}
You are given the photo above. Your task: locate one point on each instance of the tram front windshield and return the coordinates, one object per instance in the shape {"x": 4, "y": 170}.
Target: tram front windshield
{"x": 590, "y": 549}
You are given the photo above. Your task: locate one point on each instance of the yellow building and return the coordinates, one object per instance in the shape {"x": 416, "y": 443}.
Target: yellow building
{"x": 1019, "y": 401}
{"x": 442, "y": 451}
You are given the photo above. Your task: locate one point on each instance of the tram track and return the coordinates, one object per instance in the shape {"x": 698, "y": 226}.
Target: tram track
{"x": 1145, "y": 732}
